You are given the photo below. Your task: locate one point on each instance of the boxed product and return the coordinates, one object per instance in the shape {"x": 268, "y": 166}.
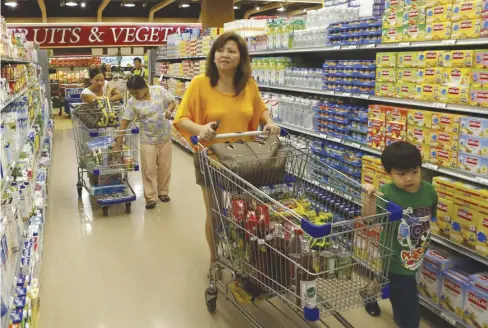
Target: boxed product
{"x": 456, "y": 76}
{"x": 389, "y": 141}
{"x": 418, "y": 135}
{"x": 433, "y": 58}
{"x": 414, "y": 32}
{"x": 376, "y": 126}
{"x": 396, "y": 131}
{"x": 445, "y": 213}
{"x": 411, "y": 59}
{"x": 446, "y": 122}
{"x": 392, "y": 34}
{"x": 414, "y": 16}
{"x": 454, "y": 284}
{"x": 482, "y": 235}
{"x": 424, "y": 150}
{"x": 478, "y": 96}
{"x": 466, "y": 29}
{"x": 427, "y": 92}
{"x": 466, "y": 10}
{"x": 444, "y": 140}
{"x": 443, "y": 157}
{"x": 386, "y": 59}
{"x": 433, "y": 3}
{"x": 484, "y": 9}
{"x": 385, "y": 89}
{"x": 474, "y": 126}
{"x": 377, "y": 112}
{"x": 410, "y": 75}
{"x": 479, "y": 78}
{"x": 368, "y": 175}
{"x": 477, "y": 146}
{"x": 458, "y": 58}
{"x": 396, "y": 114}
{"x": 419, "y": 118}
{"x": 386, "y": 74}
{"x": 392, "y": 18}
{"x": 376, "y": 141}
{"x": 438, "y": 31}
{"x": 467, "y": 217}
{"x": 394, "y": 4}
{"x": 383, "y": 181}
{"x": 454, "y": 94}
{"x": 442, "y": 183}
{"x": 405, "y": 90}
{"x": 438, "y": 14}
{"x": 433, "y": 75}
{"x": 484, "y": 27}
{"x": 473, "y": 164}
{"x": 467, "y": 190}
{"x": 476, "y": 306}
{"x": 480, "y": 58}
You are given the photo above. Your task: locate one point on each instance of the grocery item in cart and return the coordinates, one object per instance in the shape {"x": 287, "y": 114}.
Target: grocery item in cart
{"x": 100, "y": 114}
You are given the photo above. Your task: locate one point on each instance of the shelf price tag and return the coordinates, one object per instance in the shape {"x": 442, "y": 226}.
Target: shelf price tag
{"x": 350, "y": 47}
{"x": 403, "y": 44}
{"x": 448, "y": 42}
{"x": 369, "y": 46}
{"x": 363, "y": 96}
{"x": 329, "y": 93}
{"x": 355, "y": 145}
{"x": 431, "y": 166}
{"x": 483, "y": 181}
{"x": 335, "y": 47}
{"x": 345, "y": 94}
{"x": 439, "y": 105}
{"x": 448, "y": 319}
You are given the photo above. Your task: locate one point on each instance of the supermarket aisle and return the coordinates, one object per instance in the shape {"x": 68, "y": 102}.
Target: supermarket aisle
{"x": 146, "y": 269}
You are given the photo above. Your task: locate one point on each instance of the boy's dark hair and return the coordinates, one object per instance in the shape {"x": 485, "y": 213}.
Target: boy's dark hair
{"x": 401, "y": 156}
{"x": 136, "y": 82}
{"x": 137, "y": 59}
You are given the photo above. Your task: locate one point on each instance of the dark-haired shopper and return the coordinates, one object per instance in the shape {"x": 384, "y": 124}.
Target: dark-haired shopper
{"x": 99, "y": 88}
{"x": 228, "y": 94}
{"x": 152, "y": 105}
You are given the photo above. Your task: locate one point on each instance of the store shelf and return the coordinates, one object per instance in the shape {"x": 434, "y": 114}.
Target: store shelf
{"x": 16, "y": 61}
{"x": 433, "y": 167}
{"x": 460, "y": 249}
{"x": 435, "y": 309}
{"x": 175, "y": 77}
{"x": 379, "y": 46}
{"x": 391, "y": 100}
{"x": 159, "y": 59}
{"x": 13, "y": 98}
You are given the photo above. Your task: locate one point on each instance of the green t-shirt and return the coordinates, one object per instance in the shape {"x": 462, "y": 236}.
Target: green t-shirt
{"x": 412, "y": 232}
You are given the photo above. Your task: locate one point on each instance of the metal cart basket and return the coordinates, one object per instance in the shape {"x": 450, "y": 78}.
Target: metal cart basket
{"x": 296, "y": 235}
{"x": 95, "y": 130}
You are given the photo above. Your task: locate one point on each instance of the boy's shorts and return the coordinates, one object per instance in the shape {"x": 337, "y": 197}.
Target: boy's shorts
{"x": 404, "y": 300}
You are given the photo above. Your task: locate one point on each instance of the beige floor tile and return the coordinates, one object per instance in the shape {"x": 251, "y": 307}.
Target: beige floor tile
{"x": 147, "y": 269}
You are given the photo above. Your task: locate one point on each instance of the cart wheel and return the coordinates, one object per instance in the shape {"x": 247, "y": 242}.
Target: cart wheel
{"x": 79, "y": 187}
{"x": 127, "y": 207}
{"x": 105, "y": 210}
{"x": 211, "y": 300}
{"x": 60, "y": 112}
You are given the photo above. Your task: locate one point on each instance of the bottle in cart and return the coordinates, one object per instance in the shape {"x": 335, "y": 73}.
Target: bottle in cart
{"x": 306, "y": 278}
{"x": 279, "y": 265}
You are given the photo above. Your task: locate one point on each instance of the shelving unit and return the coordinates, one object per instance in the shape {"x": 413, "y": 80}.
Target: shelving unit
{"x": 16, "y": 61}
{"x": 435, "y": 309}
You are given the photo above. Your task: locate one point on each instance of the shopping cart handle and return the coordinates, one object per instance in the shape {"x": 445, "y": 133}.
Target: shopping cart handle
{"x": 314, "y": 230}
{"x": 195, "y": 139}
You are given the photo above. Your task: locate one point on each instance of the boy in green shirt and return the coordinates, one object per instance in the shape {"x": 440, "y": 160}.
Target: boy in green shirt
{"x": 418, "y": 199}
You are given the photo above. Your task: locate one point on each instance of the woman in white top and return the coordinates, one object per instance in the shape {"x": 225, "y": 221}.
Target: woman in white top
{"x": 99, "y": 88}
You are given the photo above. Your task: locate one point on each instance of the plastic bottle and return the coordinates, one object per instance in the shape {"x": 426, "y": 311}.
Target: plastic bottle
{"x": 306, "y": 278}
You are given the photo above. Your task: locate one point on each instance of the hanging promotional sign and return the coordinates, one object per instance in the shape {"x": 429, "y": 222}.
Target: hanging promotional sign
{"x": 99, "y": 35}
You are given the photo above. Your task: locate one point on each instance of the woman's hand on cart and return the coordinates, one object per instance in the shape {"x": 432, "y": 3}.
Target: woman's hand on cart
{"x": 208, "y": 131}
{"x": 272, "y": 128}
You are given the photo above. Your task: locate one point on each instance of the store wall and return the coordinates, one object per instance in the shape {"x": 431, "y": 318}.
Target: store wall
{"x": 17, "y": 20}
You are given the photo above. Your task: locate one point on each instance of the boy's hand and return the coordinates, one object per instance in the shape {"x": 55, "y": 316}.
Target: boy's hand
{"x": 371, "y": 191}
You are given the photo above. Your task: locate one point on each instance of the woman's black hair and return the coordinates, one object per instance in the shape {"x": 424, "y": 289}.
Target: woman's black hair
{"x": 95, "y": 71}
{"x": 136, "y": 82}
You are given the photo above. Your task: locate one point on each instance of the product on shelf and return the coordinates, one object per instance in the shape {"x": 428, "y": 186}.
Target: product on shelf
{"x": 364, "y": 31}
{"x": 356, "y": 76}
{"x": 81, "y": 61}
{"x": 454, "y": 284}
{"x": 476, "y": 298}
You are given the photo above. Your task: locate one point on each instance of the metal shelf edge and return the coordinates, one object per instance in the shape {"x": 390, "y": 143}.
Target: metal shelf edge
{"x": 460, "y": 249}
{"x": 436, "y": 310}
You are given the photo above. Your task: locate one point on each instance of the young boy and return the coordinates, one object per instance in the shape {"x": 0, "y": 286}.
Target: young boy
{"x": 402, "y": 162}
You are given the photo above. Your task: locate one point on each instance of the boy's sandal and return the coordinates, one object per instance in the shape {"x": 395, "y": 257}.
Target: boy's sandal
{"x": 150, "y": 205}
{"x": 164, "y": 198}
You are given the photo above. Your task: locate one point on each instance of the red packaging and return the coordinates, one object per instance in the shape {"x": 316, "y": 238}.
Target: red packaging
{"x": 239, "y": 209}
{"x": 263, "y": 215}
{"x": 252, "y": 223}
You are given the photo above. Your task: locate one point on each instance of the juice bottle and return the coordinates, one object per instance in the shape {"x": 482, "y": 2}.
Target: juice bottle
{"x": 306, "y": 278}
{"x": 279, "y": 265}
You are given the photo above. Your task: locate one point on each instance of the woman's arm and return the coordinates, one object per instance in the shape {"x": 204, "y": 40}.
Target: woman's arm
{"x": 114, "y": 95}
{"x": 269, "y": 125}
{"x": 205, "y": 132}
{"x": 120, "y": 137}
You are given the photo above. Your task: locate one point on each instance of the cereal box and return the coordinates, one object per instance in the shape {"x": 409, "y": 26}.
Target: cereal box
{"x": 474, "y": 126}
{"x": 385, "y": 89}
{"x": 386, "y": 59}
{"x": 456, "y": 76}
{"x": 482, "y": 235}
{"x": 418, "y": 135}
{"x": 411, "y": 59}
{"x": 413, "y": 32}
{"x": 376, "y": 141}
{"x": 410, "y": 75}
{"x": 438, "y": 31}
{"x": 444, "y": 140}
{"x": 458, "y": 58}
{"x": 415, "y": 3}
{"x": 465, "y": 222}
{"x": 396, "y": 130}
{"x": 479, "y": 77}
{"x": 484, "y": 9}
{"x": 405, "y": 90}
{"x": 442, "y": 183}
{"x": 480, "y": 58}
{"x": 389, "y": 141}
{"x": 394, "y": 4}
{"x": 454, "y": 284}
{"x": 476, "y": 306}
{"x": 414, "y": 15}
{"x": 433, "y": 58}
{"x": 445, "y": 212}
{"x": 438, "y": 14}
{"x": 386, "y": 74}
{"x": 469, "y": 191}
{"x": 466, "y": 10}
{"x": 473, "y": 145}
{"x": 419, "y": 118}
{"x": 440, "y": 228}
{"x": 433, "y": 3}
{"x": 427, "y": 92}
{"x": 368, "y": 175}
{"x": 383, "y": 181}
{"x": 454, "y": 94}
{"x": 466, "y": 29}
{"x": 484, "y": 27}
{"x": 478, "y": 97}
{"x": 446, "y": 122}
{"x": 392, "y": 34}
{"x": 376, "y": 126}
{"x": 377, "y": 112}
{"x": 424, "y": 150}
{"x": 433, "y": 75}
{"x": 392, "y": 18}
{"x": 443, "y": 157}
{"x": 396, "y": 114}
{"x": 473, "y": 164}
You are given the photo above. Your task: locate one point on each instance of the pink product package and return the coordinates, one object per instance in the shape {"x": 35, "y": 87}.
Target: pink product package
{"x": 484, "y": 9}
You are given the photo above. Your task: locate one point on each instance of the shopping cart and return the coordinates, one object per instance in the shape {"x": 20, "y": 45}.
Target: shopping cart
{"x": 95, "y": 130}
{"x": 73, "y": 99}
{"x": 296, "y": 236}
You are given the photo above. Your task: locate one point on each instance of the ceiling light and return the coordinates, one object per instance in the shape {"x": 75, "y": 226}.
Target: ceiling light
{"x": 83, "y": 4}
{"x": 129, "y": 4}
{"x": 304, "y": 10}
{"x": 144, "y": 4}
{"x": 184, "y": 5}
{"x": 12, "y": 4}
{"x": 71, "y": 4}
{"x": 236, "y": 7}
{"x": 281, "y": 9}
{"x": 257, "y": 7}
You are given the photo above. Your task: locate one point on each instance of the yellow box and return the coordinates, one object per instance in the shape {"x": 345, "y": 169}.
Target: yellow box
{"x": 443, "y": 157}
{"x": 414, "y": 15}
{"x": 410, "y": 59}
{"x": 396, "y": 114}
{"x": 432, "y": 75}
{"x": 482, "y": 228}
{"x": 392, "y": 34}
{"x": 405, "y": 90}
{"x": 479, "y": 78}
{"x": 480, "y": 58}
{"x": 466, "y": 10}
{"x": 445, "y": 209}
{"x": 438, "y": 31}
{"x": 383, "y": 181}
{"x": 418, "y": 135}
{"x": 465, "y": 222}
{"x": 386, "y": 59}
{"x": 368, "y": 175}
{"x": 385, "y": 89}
{"x": 478, "y": 96}
{"x": 424, "y": 150}
{"x": 471, "y": 191}
{"x": 458, "y": 58}
{"x": 456, "y": 77}
{"x": 433, "y": 58}
{"x": 386, "y": 74}
{"x": 447, "y": 194}
{"x": 433, "y": 3}
{"x": 414, "y": 32}
{"x": 438, "y": 14}
{"x": 371, "y": 160}
{"x": 444, "y": 183}
{"x": 392, "y": 18}
{"x": 446, "y": 122}
{"x": 419, "y": 118}
{"x": 410, "y": 75}
{"x": 444, "y": 140}
{"x": 454, "y": 95}
{"x": 394, "y": 4}
{"x": 427, "y": 92}
{"x": 466, "y": 29}
{"x": 441, "y": 228}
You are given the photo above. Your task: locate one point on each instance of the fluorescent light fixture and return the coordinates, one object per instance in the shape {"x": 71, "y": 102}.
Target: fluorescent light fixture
{"x": 71, "y": 4}
{"x": 184, "y": 5}
{"x": 281, "y": 9}
{"x": 236, "y": 7}
{"x": 12, "y": 4}
{"x": 129, "y": 4}
{"x": 83, "y": 4}
{"x": 258, "y": 8}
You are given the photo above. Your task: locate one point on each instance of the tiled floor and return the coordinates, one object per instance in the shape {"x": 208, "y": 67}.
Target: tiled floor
{"x": 147, "y": 269}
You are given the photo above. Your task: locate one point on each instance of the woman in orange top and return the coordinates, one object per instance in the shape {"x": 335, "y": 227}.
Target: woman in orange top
{"x": 228, "y": 94}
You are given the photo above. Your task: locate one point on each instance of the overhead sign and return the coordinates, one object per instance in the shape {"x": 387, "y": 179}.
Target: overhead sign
{"x": 99, "y": 35}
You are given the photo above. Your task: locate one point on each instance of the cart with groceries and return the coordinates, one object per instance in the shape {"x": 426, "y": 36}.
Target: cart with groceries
{"x": 289, "y": 233}
{"x": 102, "y": 170}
